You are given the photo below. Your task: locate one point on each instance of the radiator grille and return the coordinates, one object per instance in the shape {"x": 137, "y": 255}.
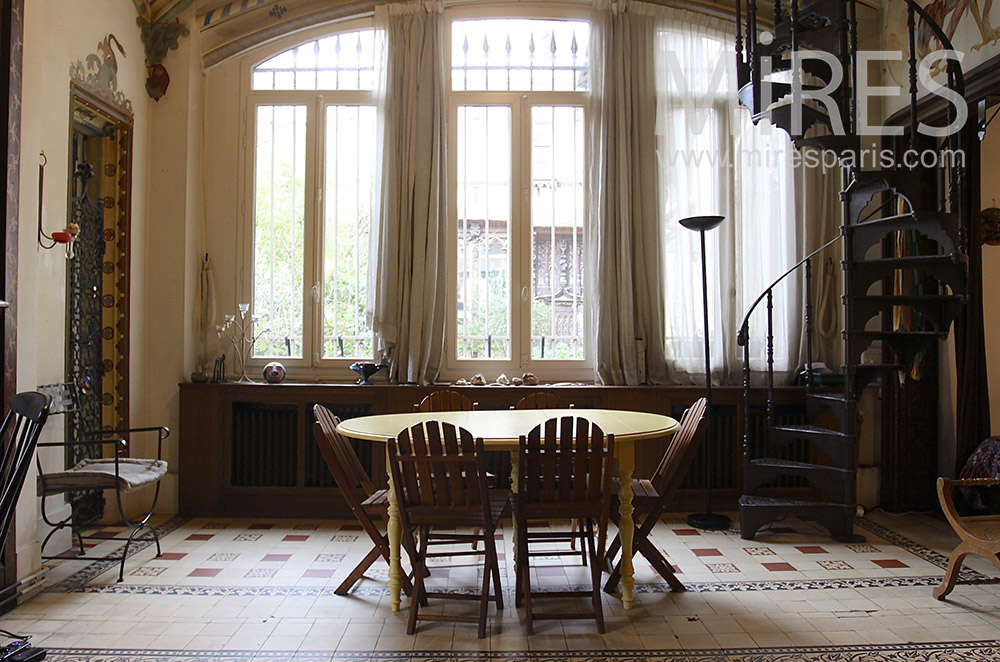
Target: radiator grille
{"x": 317, "y": 473}
{"x": 264, "y": 445}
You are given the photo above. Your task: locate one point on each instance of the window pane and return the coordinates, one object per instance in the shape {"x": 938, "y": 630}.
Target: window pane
{"x": 557, "y": 210}
{"x": 349, "y": 187}
{"x": 342, "y": 61}
{"x": 484, "y": 199}
{"x": 279, "y": 218}
{"x": 520, "y": 55}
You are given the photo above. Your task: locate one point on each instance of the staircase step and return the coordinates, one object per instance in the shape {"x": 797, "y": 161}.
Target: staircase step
{"x": 778, "y": 91}
{"x": 781, "y": 116}
{"x": 939, "y": 310}
{"x": 951, "y": 270}
{"x": 838, "y": 518}
{"x": 941, "y": 227}
{"x": 867, "y": 185}
{"x": 836, "y": 482}
{"x": 838, "y": 445}
{"x": 837, "y": 403}
{"x": 812, "y": 34}
{"x": 811, "y": 66}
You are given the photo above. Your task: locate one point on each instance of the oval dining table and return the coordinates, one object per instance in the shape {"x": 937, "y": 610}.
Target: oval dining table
{"x": 501, "y": 431}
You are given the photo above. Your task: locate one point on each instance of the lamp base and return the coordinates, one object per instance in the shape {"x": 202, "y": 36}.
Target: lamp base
{"x": 709, "y": 521}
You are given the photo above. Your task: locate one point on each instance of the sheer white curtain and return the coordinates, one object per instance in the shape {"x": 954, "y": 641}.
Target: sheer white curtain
{"x": 624, "y": 228}
{"x": 712, "y": 160}
{"x": 407, "y": 286}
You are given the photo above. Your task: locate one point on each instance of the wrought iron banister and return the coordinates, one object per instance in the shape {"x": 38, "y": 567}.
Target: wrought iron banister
{"x": 743, "y": 336}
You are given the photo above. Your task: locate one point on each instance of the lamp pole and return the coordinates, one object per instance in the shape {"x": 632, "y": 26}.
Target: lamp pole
{"x": 707, "y": 520}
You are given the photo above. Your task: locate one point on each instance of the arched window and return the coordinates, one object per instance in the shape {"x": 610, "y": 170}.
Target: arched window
{"x": 312, "y": 132}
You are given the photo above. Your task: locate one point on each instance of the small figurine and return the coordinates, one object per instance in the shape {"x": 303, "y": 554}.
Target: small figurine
{"x": 478, "y": 379}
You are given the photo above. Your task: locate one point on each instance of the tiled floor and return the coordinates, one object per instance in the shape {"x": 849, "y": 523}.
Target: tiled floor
{"x": 263, "y": 590}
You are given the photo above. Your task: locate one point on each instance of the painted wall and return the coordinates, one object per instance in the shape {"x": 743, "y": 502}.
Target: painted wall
{"x": 56, "y": 35}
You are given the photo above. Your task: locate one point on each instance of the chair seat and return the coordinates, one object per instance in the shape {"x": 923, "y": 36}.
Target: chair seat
{"x": 642, "y": 489}
{"x": 91, "y": 474}
{"x": 377, "y": 499}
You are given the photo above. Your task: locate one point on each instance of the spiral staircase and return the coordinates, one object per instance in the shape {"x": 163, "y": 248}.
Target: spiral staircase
{"x": 904, "y": 252}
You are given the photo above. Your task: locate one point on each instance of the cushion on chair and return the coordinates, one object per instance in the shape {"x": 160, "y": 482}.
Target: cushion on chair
{"x": 91, "y": 474}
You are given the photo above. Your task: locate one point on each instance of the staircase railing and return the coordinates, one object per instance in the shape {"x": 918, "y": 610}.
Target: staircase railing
{"x": 743, "y": 336}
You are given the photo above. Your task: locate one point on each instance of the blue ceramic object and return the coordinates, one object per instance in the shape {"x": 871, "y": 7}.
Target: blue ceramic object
{"x": 366, "y": 369}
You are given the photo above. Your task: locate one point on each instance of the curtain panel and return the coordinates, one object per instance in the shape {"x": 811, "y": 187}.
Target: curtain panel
{"x": 624, "y": 227}
{"x": 407, "y": 273}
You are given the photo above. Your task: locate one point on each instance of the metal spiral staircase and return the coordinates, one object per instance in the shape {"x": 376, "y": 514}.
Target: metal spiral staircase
{"x": 904, "y": 253}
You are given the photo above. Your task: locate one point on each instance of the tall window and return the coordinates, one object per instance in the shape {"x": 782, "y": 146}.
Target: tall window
{"x": 713, "y": 160}
{"x": 518, "y": 113}
{"x": 313, "y": 128}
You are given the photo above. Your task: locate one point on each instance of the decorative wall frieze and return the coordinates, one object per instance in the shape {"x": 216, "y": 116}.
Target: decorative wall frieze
{"x": 98, "y": 73}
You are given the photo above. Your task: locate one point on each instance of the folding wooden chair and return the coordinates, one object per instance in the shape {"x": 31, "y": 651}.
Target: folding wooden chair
{"x": 564, "y": 472}
{"x": 18, "y": 438}
{"x": 439, "y": 474}
{"x": 446, "y": 400}
{"x": 651, "y": 497}
{"x": 364, "y": 500}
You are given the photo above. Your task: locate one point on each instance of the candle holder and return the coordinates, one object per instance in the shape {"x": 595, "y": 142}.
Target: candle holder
{"x": 239, "y": 329}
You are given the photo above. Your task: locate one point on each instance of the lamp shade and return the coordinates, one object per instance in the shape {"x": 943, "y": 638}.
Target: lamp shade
{"x": 702, "y": 223}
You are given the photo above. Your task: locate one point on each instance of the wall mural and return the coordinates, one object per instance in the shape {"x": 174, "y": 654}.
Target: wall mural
{"x": 973, "y": 28}
{"x": 100, "y": 74}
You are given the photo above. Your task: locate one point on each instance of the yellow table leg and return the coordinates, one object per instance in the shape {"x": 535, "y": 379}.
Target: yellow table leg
{"x": 395, "y": 566}
{"x": 626, "y": 465}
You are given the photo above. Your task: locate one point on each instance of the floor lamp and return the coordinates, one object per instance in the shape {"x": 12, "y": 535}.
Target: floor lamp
{"x": 707, "y": 520}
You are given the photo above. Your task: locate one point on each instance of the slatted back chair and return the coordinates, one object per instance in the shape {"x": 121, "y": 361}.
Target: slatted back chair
{"x": 365, "y": 501}
{"x": 651, "y": 497}
{"x": 540, "y": 400}
{"x": 446, "y": 400}
{"x": 439, "y": 475}
{"x": 18, "y": 439}
{"x": 564, "y": 473}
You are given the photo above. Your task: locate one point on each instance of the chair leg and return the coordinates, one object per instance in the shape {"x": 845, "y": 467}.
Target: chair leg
{"x": 954, "y": 566}
{"x": 493, "y": 562}
{"x": 484, "y": 596}
{"x": 524, "y": 569}
{"x": 595, "y": 577}
{"x": 419, "y": 559}
{"x": 128, "y": 543}
{"x": 358, "y": 572}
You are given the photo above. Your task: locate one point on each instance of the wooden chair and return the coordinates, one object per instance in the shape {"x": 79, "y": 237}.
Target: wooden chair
{"x": 651, "y": 497}
{"x": 540, "y": 400}
{"x": 18, "y": 438}
{"x": 545, "y": 400}
{"x": 446, "y": 400}
{"x": 564, "y": 472}
{"x": 980, "y": 534}
{"x": 439, "y": 474}
{"x": 364, "y": 500}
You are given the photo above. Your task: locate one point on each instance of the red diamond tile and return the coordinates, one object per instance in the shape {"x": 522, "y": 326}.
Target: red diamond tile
{"x": 204, "y": 572}
{"x": 890, "y": 563}
{"x": 318, "y": 572}
{"x": 295, "y": 538}
{"x": 811, "y": 549}
{"x": 677, "y": 568}
{"x": 200, "y": 536}
{"x": 686, "y": 532}
{"x": 278, "y": 558}
{"x": 707, "y": 552}
{"x": 778, "y": 567}
{"x": 173, "y": 556}
{"x": 260, "y": 526}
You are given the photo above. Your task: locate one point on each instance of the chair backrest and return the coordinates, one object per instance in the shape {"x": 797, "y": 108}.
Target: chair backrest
{"x": 681, "y": 450}
{"x": 18, "y": 437}
{"x": 439, "y": 474}
{"x": 446, "y": 400}
{"x": 539, "y": 400}
{"x": 340, "y": 458}
{"x": 564, "y": 469}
